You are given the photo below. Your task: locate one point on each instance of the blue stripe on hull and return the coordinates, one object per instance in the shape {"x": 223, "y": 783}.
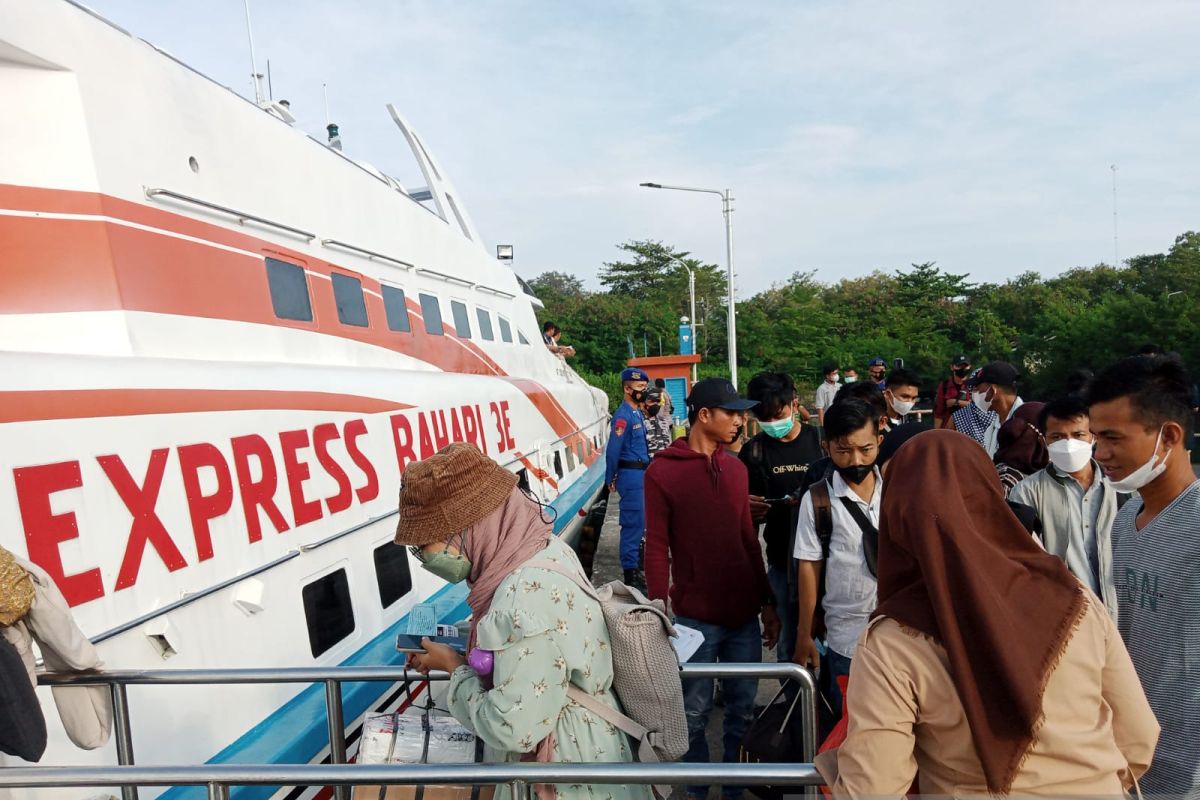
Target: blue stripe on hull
{"x": 297, "y": 731}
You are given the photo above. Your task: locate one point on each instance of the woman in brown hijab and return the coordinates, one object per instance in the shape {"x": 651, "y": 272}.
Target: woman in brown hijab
{"x": 987, "y": 668}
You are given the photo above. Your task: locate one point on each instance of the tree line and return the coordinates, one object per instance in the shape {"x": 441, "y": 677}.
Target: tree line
{"x": 1083, "y": 318}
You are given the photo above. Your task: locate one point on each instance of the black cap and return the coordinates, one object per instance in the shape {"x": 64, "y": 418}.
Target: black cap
{"x": 996, "y": 373}
{"x": 717, "y": 393}
{"x": 960, "y": 360}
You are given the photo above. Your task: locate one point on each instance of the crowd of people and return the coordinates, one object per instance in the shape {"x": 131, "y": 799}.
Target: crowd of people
{"x": 1004, "y": 601}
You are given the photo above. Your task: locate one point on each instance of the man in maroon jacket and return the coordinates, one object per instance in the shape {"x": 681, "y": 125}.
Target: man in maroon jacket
{"x": 702, "y": 552}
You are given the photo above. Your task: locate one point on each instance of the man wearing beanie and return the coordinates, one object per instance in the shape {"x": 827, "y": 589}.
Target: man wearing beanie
{"x": 702, "y": 553}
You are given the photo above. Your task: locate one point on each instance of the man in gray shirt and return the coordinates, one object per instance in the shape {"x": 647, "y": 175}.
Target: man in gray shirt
{"x": 1142, "y": 420}
{"x": 1074, "y": 500}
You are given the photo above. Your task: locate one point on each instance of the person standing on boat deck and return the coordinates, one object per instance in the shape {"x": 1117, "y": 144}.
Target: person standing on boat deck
{"x": 534, "y": 633}
{"x": 626, "y": 459}
{"x": 835, "y": 548}
{"x": 952, "y": 394}
{"x": 777, "y": 461}
{"x": 1074, "y": 500}
{"x": 987, "y": 667}
{"x": 704, "y": 559}
{"x": 827, "y": 390}
{"x": 1141, "y": 417}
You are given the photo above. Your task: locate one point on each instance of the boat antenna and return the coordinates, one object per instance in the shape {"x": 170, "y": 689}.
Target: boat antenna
{"x": 325, "y": 89}
{"x": 255, "y": 77}
{"x": 270, "y": 87}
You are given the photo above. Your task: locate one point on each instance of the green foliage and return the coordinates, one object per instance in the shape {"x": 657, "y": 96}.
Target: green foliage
{"x": 1085, "y": 317}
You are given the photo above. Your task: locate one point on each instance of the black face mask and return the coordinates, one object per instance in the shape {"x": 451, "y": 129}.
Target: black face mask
{"x": 652, "y": 410}
{"x": 638, "y": 395}
{"x": 962, "y": 371}
{"x": 855, "y": 475}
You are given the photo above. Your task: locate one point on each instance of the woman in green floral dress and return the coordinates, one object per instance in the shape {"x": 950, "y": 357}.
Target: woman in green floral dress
{"x": 466, "y": 520}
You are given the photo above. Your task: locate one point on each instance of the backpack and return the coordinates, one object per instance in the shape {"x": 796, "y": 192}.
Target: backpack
{"x": 645, "y": 669}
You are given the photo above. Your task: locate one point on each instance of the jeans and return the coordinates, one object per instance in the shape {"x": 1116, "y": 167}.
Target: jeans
{"x": 728, "y": 645}
{"x": 786, "y": 607}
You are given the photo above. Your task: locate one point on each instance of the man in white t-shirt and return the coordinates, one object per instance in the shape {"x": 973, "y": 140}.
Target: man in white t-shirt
{"x": 827, "y": 390}
{"x": 837, "y": 538}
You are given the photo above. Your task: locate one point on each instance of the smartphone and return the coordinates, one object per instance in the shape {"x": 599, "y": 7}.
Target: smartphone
{"x": 408, "y": 643}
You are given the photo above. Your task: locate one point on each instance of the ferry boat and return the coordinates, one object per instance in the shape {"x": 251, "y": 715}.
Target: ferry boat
{"x": 222, "y": 341}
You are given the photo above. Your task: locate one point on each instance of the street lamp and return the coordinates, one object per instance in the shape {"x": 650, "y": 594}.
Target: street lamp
{"x": 692, "y": 301}
{"x": 727, "y": 209}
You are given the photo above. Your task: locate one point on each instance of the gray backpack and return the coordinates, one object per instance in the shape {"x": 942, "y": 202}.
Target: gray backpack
{"x": 645, "y": 668}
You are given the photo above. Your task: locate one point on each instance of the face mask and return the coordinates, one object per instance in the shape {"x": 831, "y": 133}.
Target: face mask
{"x": 962, "y": 371}
{"x": 902, "y": 407}
{"x": 851, "y": 378}
{"x": 856, "y": 475}
{"x": 653, "y": 410}
{"x": 1146, "y": 472}
{"x": 833, "y": 378}
{"x": 1070, "y": 455}
{"x": 981, "y": 401}
{"x": 450, "y": 567}
{"x": 638, "y": 395}
{"x": 777, "y": 429}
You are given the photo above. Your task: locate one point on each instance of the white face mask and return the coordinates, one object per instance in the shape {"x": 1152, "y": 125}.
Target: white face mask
{"x": 1070, "y": 455}
{"x": 902, "y": 407}
{"x": 981, "y": 401}
{"x": 833, "y": 378}
{"x": 1146, "y": 472}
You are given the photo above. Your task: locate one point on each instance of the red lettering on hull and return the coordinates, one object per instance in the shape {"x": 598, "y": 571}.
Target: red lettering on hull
{"x": 147, "y": 528}
{"x": 203, "y": 508}
{"x": 45, "y": 530}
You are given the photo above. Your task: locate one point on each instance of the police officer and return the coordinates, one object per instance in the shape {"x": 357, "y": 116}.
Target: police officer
{"x": 627, "y": 457}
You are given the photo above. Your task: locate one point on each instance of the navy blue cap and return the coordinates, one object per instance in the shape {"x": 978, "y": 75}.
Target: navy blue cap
{"x": 876, "y": 362}
{"x": 997, "y": 373}
{"x": 717, "y": 393}
{"x": 634, "y": 374}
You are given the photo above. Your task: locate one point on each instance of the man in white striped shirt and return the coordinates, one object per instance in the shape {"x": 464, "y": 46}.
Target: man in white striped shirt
{"x": 1142, "y": 420}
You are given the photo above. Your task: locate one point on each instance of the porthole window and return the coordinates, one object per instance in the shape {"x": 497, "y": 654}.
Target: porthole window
{"x": 328, "y": 611}
{"x": 289, "y": 290}
{"x": 348, "y": 293}
{"x": 485, "y": 324}
{"x": 462, "y": 321}
{"x": 431, "y": 310}
{"x": 395, "y": 308}
{"x": 392, "y": 572}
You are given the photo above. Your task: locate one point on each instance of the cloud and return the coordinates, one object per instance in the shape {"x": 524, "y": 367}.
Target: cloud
{"x": 855, "y": 135}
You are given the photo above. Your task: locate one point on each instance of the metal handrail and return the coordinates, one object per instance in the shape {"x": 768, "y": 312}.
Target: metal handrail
{"x": 433, "y": 273}
{"x": 520, "y": 776}
{"x": 241, "y": 216}
{"x": 362, "y": 251}
{"x": 333, "y": 677}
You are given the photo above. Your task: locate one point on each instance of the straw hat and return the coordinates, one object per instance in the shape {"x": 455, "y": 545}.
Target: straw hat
{"x": 449, "y": 492}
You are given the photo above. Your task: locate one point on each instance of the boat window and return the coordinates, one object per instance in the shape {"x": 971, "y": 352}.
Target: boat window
{"x": 396, "y": 309}
{"x": 462, "y": 321}
{"x": 505, "y": 329}
{"x": 570, "y": 451}
{"x": 431, "y": 310}
{"x": 523, "y": 480}
{"x": 328, "y": 611}
{"x": 521, "y": 338}
{"x": 392, "y": 573}
{"x": 289, "y": 290}
{"x": 348, "y": 293}
{"x": 558, "y": 468}
{"x": 485, "y": 324}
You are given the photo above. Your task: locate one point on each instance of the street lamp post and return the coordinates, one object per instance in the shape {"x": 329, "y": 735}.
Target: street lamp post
{"x": 727, "y": 209}
{"x": 692, "y": 302}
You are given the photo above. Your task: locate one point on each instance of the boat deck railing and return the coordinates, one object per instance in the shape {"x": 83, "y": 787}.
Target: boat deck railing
{"x": 218, "y": 778}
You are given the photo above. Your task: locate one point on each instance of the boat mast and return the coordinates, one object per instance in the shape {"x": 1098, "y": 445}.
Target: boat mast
{"x": 255, "y": 77}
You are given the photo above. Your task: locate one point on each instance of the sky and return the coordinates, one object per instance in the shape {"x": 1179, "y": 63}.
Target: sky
{"x": 854, "y": 136}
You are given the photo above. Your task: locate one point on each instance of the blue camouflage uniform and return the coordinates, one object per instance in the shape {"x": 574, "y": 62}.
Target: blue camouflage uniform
{"x": 626, "y": 458}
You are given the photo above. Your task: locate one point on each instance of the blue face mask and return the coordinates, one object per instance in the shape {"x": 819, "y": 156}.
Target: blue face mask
{"x": 777, "y": 429}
